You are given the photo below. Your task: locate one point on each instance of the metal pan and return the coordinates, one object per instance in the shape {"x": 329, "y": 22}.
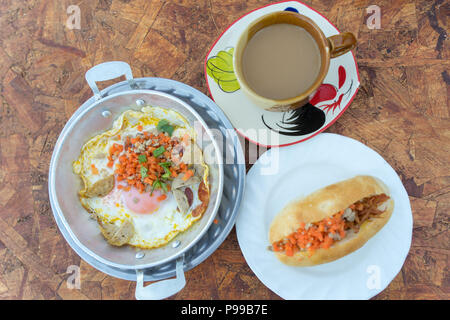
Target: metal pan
{"x": 83, "y": 232}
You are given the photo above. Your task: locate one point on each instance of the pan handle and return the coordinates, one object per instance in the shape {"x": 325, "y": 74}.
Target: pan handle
{"x": 107, "y": 71}
{"x": 161, "y": 289}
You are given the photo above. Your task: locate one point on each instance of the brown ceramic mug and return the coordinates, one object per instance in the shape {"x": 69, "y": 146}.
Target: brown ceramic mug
{"x": 329, "y": 48}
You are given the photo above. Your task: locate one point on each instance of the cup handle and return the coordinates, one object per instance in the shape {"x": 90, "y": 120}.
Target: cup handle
{"x": 341, "y": 43}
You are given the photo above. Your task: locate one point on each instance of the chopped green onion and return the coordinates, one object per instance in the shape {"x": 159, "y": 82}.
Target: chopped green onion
{"x": 159, "y": 151}
{"x": 165, "y": 164}
{"x": 144, "y": 171}
{"x": 167, "y": 172}
{"x": 166, "y": 175}
{"x": 142, "y": 158}
{"x": 164, "y": 186}
{"x": 159, "y": 184}
{"x": 155, "y": 185}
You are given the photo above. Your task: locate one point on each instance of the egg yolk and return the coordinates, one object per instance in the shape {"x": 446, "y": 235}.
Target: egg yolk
{"x": 142, "y": 202}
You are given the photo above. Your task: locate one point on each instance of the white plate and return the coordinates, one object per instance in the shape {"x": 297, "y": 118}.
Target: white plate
{"x": 283, "y": 174}
{"x": 342, "y": 78}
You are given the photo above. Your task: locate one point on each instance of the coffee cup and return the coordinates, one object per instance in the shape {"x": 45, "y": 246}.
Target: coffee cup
{"x": 266, "y": 64}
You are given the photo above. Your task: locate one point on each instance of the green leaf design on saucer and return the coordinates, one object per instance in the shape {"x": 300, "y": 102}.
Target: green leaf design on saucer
{"x": 220, "y": 68}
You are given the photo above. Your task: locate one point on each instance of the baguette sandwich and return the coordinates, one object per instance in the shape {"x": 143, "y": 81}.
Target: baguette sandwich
{"x": 331, "y": 222}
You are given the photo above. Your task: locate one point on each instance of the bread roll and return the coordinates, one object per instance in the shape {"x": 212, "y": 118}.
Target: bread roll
{"x": 325, "y": 203}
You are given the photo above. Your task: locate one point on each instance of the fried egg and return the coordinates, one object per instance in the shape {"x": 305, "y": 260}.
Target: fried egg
{"x": 154, "y": 214}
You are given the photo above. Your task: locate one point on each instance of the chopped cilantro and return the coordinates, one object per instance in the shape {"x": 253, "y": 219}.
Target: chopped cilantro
{"x": 165, "y": 126}
{"x": 161, "y": 123}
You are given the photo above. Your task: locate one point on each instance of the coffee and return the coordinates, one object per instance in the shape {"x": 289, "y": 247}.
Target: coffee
{"x": 281, "y": 61}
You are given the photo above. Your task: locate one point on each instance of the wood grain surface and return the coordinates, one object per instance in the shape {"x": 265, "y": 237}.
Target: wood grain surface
{"x": 401, "y": 111}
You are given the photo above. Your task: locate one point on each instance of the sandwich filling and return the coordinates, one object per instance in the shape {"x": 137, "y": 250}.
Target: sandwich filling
{"x": 323, "y": 234}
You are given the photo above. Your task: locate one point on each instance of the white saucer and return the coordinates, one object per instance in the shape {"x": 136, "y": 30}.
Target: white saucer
{"x": 283, "y": 174}
{"x": 264, "y": 127}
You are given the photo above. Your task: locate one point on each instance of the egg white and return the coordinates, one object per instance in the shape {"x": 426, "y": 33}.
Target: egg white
{"x": 151, "y": 229}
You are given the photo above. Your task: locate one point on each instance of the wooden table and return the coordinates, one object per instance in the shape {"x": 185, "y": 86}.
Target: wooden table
{"x": 401, "y": 111}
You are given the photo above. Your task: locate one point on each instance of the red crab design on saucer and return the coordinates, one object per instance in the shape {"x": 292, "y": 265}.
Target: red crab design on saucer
{"x": 327, "y": 92}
